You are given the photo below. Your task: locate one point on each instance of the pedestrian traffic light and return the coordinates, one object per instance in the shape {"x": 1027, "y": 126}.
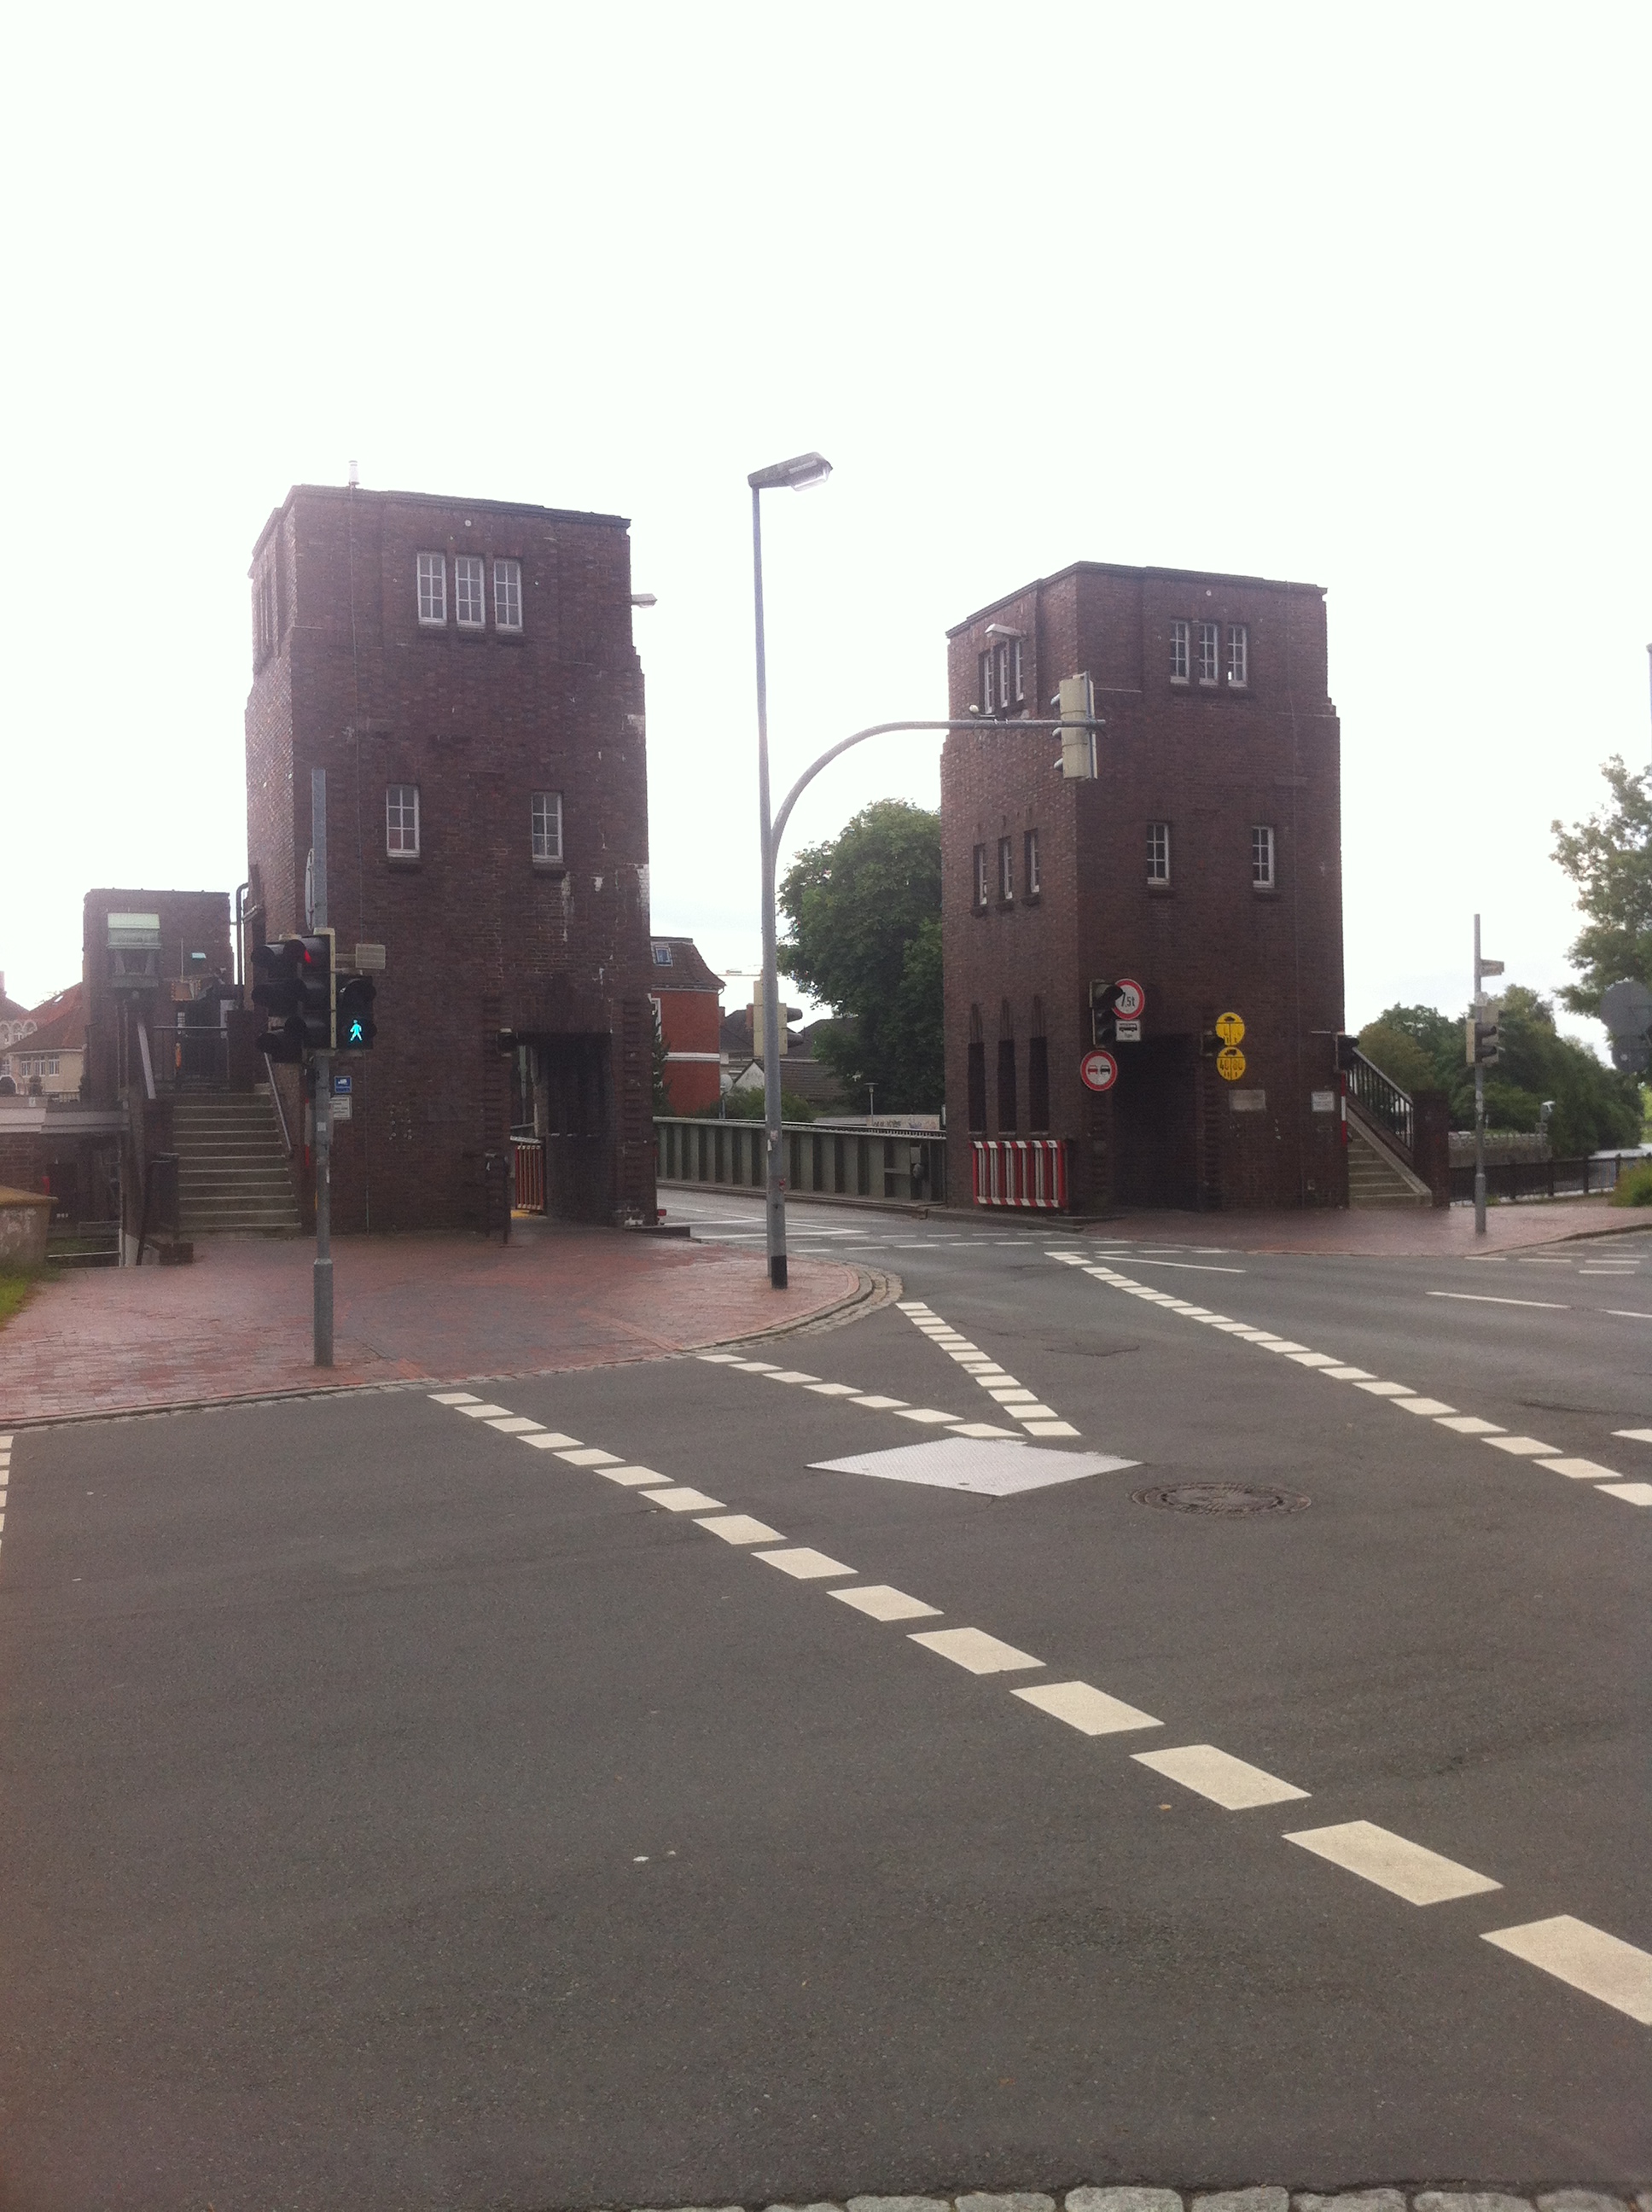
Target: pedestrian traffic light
{"x": 276, "y": 991}
{"x": 356, "y": 1026}
{"x": 1481, "y": 1042}
{"x": 1075, "y": 701}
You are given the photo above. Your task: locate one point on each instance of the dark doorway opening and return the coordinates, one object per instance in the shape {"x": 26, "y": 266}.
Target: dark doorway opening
{"x": 1155, "y": 1123}
{"x": 569, "y": 1103}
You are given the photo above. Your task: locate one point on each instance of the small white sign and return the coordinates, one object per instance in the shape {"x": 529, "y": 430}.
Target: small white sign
{"x": 1248, "y": 1102}
{"x": 342, "y": 1109}
{"x": 1127, "y": 1032}
{"x": 1325, "y": 1102}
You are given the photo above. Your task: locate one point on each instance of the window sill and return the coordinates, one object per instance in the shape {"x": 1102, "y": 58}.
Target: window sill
{"x": 1033, "y": 898}
{"x": 405, "y": 860}
{"x": 549, "y": 867}
{"x": 1264, "y": 890}
{"x": 1179, "y": 682}
{"x": 1160, "y": 890}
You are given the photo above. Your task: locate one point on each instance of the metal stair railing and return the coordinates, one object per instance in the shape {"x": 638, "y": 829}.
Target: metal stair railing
{"x": 1384, "y": 1103}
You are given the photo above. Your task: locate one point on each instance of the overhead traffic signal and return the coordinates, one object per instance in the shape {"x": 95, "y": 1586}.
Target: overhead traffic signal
{"x": 354, "y": 1026}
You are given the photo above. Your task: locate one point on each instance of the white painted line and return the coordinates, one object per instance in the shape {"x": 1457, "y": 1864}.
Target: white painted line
{"x": 1041, "y": 1429}
{"x": 1188, "y": 1266}
{"x": 1419, "y": 1875}
{"x": 720, "y": 1358}
{"x": 454, "y": 1398}
{"x": 515, "y": 1424}
{"x": 1469, "y": 1424}
{"x": 974, "y": 1649}
{"x": 551, "y": 1440}
{"x": 804, "y": 1564}
{"x": 880, "y": 1405}
{"x": 990, "y": 1369}
{"x": 756, "y": 1366}
{"x": 1599, "y": 1964}
{"x": 792, "y": 1375}
{"x": 1522, "y": 1447}
{"x": 632, "y": 1477}
{"x": 481, "y": 1411}
{"x": 1628, "y": 1313}
{"x": 589, "y": 1457}
{"x": 1433, "y": 1407}
{"x": 1092, "y": 1712}
{"x": 1032, "y": 1412}
{"x": 1009, "y": 1393}
{"x": 834, "y": 1390}
{"x": 1226, "y": 1781}
{"x": 1635, "y": 1436}
{"x": 1481, "y": 1298}
{"x": 1581, "y": 1470}
{"x": 884, "y": 1603}
{"x": 1347, "y": 1374}
{"x": 1282, "y": 1344}
{"x": 1632, "y": 1494}
{"x": 980, "y": 1429}
{"x": 912, "y": 1306}
{"x": 1315, "y": 1359}
{"x": 741, "y": 1528}
{"x": 929, "y": 1414}
{"x": 683, "y": 1501}
{"x": 1265, "y": 1337}
{"x": 1387, "y": 1389}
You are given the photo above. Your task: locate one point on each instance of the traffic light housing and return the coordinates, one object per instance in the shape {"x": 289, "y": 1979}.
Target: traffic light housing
{"x": 295, "y": 987}
{"x": 1347, "y": 1053}
{"x": 315, "y": 986}
{"x": 354, "y": 1025}
{"x": 1481, "y": 1042}
{"x": 1075, "y": 701}
{"x": 1103, "y": 1013}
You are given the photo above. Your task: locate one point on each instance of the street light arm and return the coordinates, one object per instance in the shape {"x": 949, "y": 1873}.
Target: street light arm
{"x": 878, "y": 729}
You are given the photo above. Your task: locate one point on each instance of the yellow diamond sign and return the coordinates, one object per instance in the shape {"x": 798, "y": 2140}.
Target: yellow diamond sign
{"x": 1230, "y": 1063}
{"x": 1230, "y": 1029}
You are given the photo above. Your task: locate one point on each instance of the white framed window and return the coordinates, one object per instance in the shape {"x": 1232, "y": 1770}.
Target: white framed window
{"x": 662, "y": 953}
{"x": 433, "y": 589}
{"x": 1159, "y": 852}
{"x": 980, "y": 875}
{"x": 1020, "y": 681}
{"x": 1238, "y": 656}
{"x": 548, "y": 829}
{"x": 1180, "y": 641}
{"x": 1261, "y": 857}
{"x": 1003, "y": 675}
{"x": 507, "y": 595}
{"x": 402, "y": 821}
{"x": 469, "y": 598}
{"x": 1005, "y": 870}
{"x": 1209, "y": 639}
{"x": 1034, "y": 880}
{"x": 985, "y": 683}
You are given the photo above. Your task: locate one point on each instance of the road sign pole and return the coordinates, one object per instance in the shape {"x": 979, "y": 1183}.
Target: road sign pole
{"x": 1479, "y": 1099}
{"x": 322, "y": 1067}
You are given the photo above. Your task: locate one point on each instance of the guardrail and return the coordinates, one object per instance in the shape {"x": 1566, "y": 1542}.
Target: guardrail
{"x": 530, "y": 1174}
{"x": 1383, "y": 1100}
{"x": 1026, "y": 1172}
{"x": 817, "y": 1162}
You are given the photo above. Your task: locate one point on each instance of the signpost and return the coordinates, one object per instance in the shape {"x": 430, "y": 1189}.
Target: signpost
{"x": 1477, "y": 1025}
{"x": 1098, "y": 1070}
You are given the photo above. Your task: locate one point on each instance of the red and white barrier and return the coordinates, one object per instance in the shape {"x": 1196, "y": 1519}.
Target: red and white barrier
{"x": 1020, "y": 1171}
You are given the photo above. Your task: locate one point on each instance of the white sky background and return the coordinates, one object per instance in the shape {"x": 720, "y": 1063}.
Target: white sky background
{"x": 1354, "y": 296}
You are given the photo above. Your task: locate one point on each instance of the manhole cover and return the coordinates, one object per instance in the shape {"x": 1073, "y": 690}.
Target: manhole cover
{"x": 1221, "y": 1498}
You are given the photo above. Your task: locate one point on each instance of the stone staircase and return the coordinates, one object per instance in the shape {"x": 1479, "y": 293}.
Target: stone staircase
{"x": 1376, "y": 1177}
{"x": 232, "y": 1176}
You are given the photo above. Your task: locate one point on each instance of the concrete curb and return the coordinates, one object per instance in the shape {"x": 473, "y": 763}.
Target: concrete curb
{"x": 1141, "y": 2197}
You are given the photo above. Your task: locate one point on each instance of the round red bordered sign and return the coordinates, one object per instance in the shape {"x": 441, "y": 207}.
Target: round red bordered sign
{"x": 1098, "y": 1070}
{"x": 1132, "y": 1001}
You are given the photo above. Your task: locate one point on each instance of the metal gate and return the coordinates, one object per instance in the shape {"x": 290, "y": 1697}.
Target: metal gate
{"x": 1020, "y": 1171}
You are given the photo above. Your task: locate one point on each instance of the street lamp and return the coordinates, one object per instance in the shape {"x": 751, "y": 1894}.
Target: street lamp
{"x": 795, "y": 475}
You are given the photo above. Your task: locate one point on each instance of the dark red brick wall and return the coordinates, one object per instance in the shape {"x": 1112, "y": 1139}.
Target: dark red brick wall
{"x": 691, "y": 1021}
{"x": 476, "y": 937}
{"x": 1211, "y": 764}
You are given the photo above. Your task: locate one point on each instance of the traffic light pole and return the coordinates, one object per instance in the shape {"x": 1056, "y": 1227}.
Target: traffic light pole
{"x": 1479, "y": 1099}
{"x": 322, "y": 1064}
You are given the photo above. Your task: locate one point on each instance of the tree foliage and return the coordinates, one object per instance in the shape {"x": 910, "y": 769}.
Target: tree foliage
{"x": 1609, "y": 857}
{"x": 1422, "y": 1048}
{"x": 863, "y": 917}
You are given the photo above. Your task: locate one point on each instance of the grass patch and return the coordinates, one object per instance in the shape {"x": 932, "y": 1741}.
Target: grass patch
{"x": 1635, "y": 1189}
{"x": 15, "y": 1285}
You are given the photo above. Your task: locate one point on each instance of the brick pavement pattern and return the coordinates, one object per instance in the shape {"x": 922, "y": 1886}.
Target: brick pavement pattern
{"x": 237, "y": 1324}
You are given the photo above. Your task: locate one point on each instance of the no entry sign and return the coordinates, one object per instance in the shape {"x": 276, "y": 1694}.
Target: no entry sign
{"x": 1098, "y": 1070}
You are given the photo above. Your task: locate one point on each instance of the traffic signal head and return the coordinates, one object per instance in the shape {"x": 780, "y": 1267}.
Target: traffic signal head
{"x": 1347, "y": 1052}
{"x": 314, "y": 967}
{"x": 1103, "y": 1012}
{"x": 1075, "y": 701}
{"x": 277, "y": 990}
{"x": 1482, "y": 1044}
{"x": 356, "y": 1028}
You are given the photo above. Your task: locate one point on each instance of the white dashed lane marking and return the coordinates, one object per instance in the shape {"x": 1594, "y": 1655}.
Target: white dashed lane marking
{"x": 683, "y": 1501}
{"x": 549, "y": 1440}
{"x": 881, "y": 1602}
{"x": 741, "y": 1528}
{"x": 1020, "y": 1404}
{"x": 974, "y": 1649}
{"x": 1601, "y": 1966}
{"x": 804, "y": 1564}
{"x": 1484, "y": 1298}
{"x": 1226, "y": 1781}
{"x": 630, "y": 1478}
{"x": 1091, "y": 1711}
{"x": 1410, "y": 1870}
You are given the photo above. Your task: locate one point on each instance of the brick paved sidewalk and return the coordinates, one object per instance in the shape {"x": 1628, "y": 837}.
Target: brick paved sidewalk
{"x": 238, "y": 1324}
{"x": 1386, "y": 1232}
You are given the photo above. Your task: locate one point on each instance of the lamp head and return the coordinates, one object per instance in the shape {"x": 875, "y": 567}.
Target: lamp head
{"x": 795, "y": 475}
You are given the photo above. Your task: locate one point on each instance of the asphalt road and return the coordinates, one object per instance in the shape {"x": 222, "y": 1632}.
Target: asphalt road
{"x": 396, "y": 1812}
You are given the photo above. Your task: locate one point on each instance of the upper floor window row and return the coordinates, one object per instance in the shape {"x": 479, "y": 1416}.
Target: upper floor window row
{"x": 470, "y": 592}
{"x": 1002, "y": 679}
{"x": 402, "y": 823}
{"x": 1211, "y": 652}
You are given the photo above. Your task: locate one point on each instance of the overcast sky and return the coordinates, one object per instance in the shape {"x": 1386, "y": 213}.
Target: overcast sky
{"x": 1356, "y": 296}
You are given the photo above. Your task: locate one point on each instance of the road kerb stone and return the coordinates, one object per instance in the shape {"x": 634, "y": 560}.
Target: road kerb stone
{"x": 1468, "y": 2200}
{"x": 1013, "y": 2201}
{"x": 899, "y": 2204}
{"x": 1580, "y": 2200}
{"x": 1123, "y": 2200}
{"x": 1354, "y": 2200}
{"x": 1243, "y": 2200}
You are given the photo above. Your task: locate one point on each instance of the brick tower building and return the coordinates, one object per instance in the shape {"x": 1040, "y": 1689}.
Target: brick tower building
{"x": 1203, "y": 861}
{"x": 464, "y": 670}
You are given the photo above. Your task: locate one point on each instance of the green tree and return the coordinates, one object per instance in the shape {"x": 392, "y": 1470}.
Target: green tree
{"x": 1609, "y": 857}
{"x": 1400, "y": 1056}
{"x": 864, "y": 936}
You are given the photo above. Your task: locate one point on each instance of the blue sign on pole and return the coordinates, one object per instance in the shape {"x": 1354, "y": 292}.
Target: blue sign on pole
{"x": 341, "y": 1086}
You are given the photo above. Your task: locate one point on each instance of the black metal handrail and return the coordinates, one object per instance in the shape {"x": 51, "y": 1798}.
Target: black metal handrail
{"x": 1382, "y": 1099}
